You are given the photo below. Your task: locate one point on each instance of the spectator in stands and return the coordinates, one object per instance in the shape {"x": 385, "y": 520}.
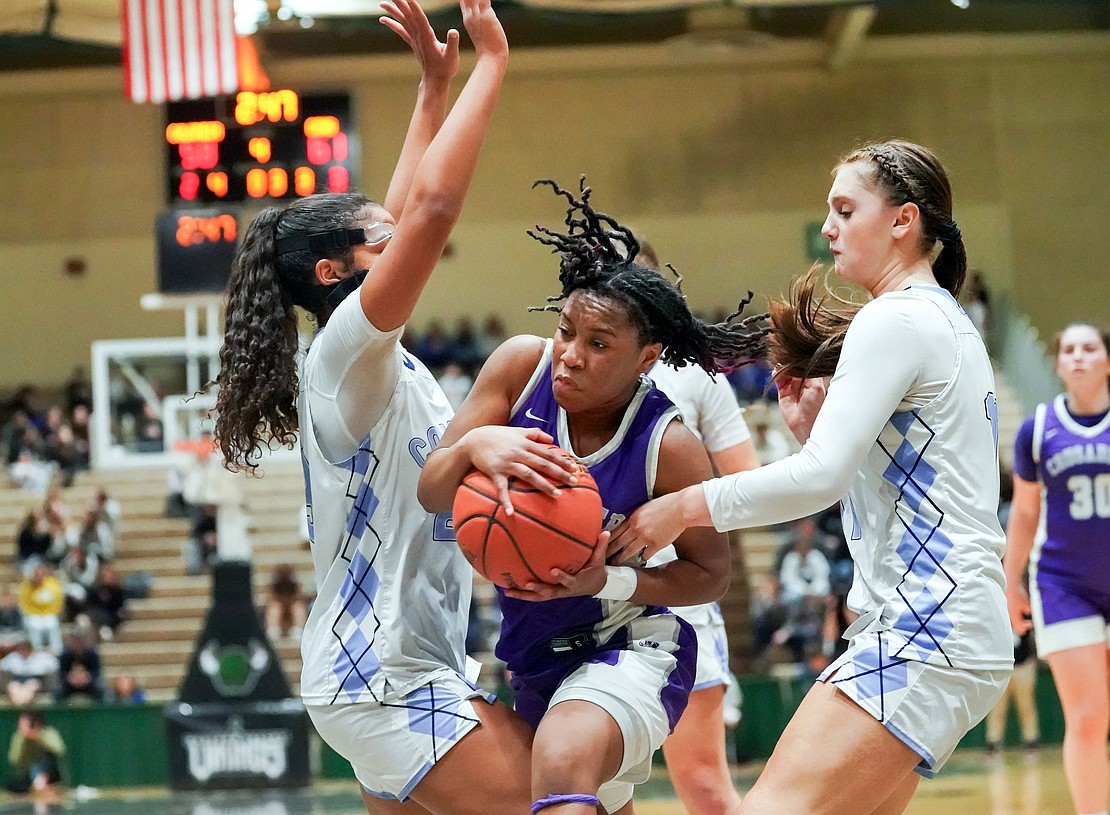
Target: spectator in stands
{"x": 41, "y": 600}
{"x": 435, "y": 346}
{"x": 752, "y": 383}
{"x": 802, "y": 576}
{"x": 456, "y": 384}
{"x": 31, "y": 472}
{"x": 79, "y": 671}
{"x": 77, "y": 571}
{"x": 491, "y": 336}
{"x": 78, "y": 390}
{"x": 36, "y": 755}
{"x": 11, "y": 621}
{"x": 14, "y": 434}
{"x": 464, "y": 349}
{"x": 28, "y": 672}
{"x": 107, "y": 603}
{"x": 286, "y": 605}
{"x": 148, "y": 430}
{"x": 35, "y": 539}
{"x": 109, "y": 513}
{"x": 79, "y": 421}
{"x": 92, "y": 535}
{"x": 126, "y": 690}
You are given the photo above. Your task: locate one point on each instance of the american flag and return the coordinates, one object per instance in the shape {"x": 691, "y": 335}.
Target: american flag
{"x": 178, "y": 49}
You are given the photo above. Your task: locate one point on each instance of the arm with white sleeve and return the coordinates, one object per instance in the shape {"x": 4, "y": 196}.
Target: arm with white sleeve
{"x": 883, "y": 358}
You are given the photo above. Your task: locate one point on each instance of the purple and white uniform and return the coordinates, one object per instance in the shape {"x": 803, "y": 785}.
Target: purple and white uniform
{"x": 636, "y": 662}
{"x": 1069, "y": 567}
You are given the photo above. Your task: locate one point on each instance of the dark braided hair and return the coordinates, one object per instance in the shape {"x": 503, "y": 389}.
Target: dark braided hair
{"x": 809, "y": 327}
{"x": 597, "y": 256}
{"x": 256, "y": 403}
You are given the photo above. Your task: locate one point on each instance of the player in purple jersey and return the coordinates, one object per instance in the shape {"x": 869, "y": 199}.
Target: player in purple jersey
{"x": 1060, "y": 525}
{"x": 599, "y": 667}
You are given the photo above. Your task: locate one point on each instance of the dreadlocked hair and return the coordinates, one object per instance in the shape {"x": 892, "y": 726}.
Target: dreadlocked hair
{"x": 596, "y": 255}
{"x": 256, "y": 400}
{"x": 809, "y": 327}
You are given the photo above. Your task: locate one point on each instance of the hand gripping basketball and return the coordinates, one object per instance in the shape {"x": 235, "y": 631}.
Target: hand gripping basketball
{"x": 544, "y": 532}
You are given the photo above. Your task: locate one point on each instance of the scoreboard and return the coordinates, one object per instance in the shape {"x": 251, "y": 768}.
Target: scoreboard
{"x": 261, "y": 147}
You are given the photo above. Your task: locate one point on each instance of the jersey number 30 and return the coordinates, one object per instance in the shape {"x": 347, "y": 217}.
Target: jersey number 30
{"x": 1089, "y": 496}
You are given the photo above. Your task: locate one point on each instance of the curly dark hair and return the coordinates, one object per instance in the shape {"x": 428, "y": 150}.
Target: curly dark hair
{"x": 597, "y": 255}
{"x": 809, "y": 327}
{"x": 256, "y": 402}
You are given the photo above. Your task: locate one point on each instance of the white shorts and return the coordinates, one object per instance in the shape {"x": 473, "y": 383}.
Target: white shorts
{"x": 630, "y": 692}
{"x": 712, "y": 647}
{"x": 928, "y": 707}
{"x": 393, "y": 745}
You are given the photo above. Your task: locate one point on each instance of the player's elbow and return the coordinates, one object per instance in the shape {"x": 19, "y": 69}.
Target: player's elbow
{"x": 431, "y": 495}
{"x": 434, "y": 207}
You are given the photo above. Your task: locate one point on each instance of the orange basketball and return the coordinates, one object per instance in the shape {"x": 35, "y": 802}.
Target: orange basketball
{"x": 542, "y": 534}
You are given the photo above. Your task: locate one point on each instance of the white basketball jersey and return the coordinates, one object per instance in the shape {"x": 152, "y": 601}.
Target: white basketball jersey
{"x": 929, "y": 490}
{"x": 393, "y": 589}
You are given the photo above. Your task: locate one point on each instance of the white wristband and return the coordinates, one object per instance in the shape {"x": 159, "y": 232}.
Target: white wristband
{"x": 620, "y": 583}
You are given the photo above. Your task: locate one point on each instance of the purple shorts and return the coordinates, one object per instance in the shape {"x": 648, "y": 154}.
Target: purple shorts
{"x": 1067, "y": 614}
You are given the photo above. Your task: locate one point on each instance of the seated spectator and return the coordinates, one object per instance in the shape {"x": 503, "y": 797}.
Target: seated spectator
{"x": 108, "y": 515}
{"x": 13, "y": 435}
{"x": 434, "y": 347}
{"x": 107, "y": 603}
{"x": 35, "y": 540}
{"x": 286, "y": 606}
{"x": 11, "y": 622}
{"x": 91, "y": 534}
{"x": 36, "y": 755}
{"x": 465, "y": 351}
{"x": 79, "y": 671}
{"x": 30, "y": 472}
{"x": 78, "y": 389}
{"x": 41, "y": 600}
{"x": 126, "y": 690}
{"x": 79, "y": 421}
{"x": 27, "y": 673}
{"x": 77, "y": 571}
{"x": 491, "y": 336}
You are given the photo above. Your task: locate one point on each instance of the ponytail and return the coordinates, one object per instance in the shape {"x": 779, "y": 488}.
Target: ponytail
{"x": 257, "y": 399}
{"x": 809, "y": 328}
{"x": 950, "y": 266}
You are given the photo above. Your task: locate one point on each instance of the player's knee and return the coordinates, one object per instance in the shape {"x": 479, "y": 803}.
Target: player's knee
{"x": 558, "y": 764}
{"x": 1089, "y": 722}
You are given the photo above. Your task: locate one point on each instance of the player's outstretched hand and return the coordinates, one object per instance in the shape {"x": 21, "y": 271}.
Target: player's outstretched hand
{"x": 523, "y": 453}
{"x": 438, "y": 60}
{"x": 484, "y": 28}
{"x": 586, "y": 582}
{"x": 651, "y": 528}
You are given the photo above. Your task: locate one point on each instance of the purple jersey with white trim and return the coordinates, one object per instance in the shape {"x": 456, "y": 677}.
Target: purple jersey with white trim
{"x": 1070, "y": 457}
{"x": 624, "y": 470}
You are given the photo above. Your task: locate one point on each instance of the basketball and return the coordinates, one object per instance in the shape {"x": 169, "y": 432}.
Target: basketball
{"x": 543, "y": 533}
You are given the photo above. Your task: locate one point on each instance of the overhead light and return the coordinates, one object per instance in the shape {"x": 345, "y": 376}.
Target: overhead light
{"x": 961, "y": 3}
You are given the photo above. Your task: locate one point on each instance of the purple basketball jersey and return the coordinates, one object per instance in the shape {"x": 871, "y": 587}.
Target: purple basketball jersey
{"x": 624, "y": 470}
{"x": 1071, "y": 459}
